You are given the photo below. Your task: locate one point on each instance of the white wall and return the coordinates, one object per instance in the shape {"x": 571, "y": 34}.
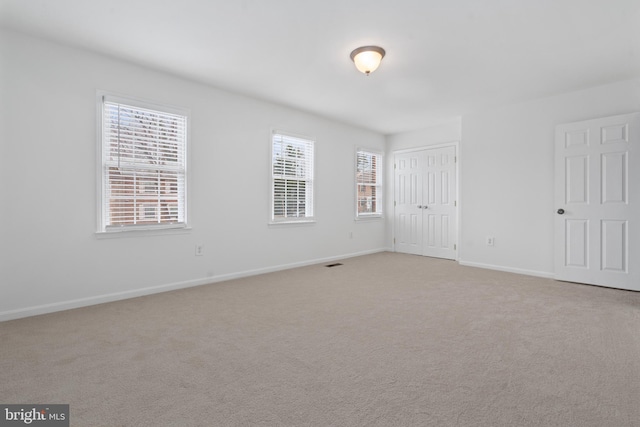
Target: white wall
{"x": 506, "y": 167}
{"x": 507, "y": 175}
{"x": 51, "y": 256}
{"x": 4, "y": 178}
{"x": 448, "y": 131}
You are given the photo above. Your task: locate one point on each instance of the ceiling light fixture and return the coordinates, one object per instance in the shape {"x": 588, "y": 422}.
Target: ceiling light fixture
{"x": 367, "y": 58}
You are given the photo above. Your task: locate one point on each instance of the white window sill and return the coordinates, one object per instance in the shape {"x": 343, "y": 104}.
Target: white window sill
{"x": 292, "y": 222}
{"x": 368, "y": 217}
{"x": 141, "y": 232}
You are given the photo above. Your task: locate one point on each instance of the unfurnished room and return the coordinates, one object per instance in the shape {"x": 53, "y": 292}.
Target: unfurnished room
{"x": 331, "y": 213}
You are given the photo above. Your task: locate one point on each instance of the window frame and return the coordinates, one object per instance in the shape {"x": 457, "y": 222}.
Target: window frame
{"x": 103, "y": 228}
{"x": 307, "y": 219}
{"x": 379, "y": 185}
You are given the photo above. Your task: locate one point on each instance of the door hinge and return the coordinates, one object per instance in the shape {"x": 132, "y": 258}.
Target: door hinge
{"x": 394, "y": 240}
{"x": 394, "y": 203}
{"x": 455, "y": 247}
{"x": 394, "y": 165}
{"x": 455, "y": 159}
{"x": 455, "y": 203}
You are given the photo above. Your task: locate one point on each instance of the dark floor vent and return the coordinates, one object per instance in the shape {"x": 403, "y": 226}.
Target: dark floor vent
{"x": 333, "y": 265}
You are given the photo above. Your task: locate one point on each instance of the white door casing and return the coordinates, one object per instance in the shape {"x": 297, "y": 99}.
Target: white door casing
{"x": 597, "y": 219}
{"x": 425, "y": 217}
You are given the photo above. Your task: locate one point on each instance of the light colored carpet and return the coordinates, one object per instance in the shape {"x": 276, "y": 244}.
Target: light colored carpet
{"x": 383, "y": 340}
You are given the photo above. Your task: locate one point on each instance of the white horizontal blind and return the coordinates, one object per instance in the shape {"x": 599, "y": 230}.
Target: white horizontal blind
{"x": 368, "y": 184}
{"x": 144, "y": 167}
{"x": 292, "y": 178}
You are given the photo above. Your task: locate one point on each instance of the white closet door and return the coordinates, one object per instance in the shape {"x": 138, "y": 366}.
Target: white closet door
{"x": 425, "y": 202}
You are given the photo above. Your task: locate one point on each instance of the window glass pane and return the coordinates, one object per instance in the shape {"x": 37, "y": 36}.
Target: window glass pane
{"x": 292, "y": 177}
{"x": 144, "y": 164}
{"x": 368, "y": 184}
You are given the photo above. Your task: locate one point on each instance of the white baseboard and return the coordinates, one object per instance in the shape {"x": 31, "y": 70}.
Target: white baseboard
{"x": 255, "y": 272}
{"x": 101, "y": 299}
{"x": 545, "y": 274}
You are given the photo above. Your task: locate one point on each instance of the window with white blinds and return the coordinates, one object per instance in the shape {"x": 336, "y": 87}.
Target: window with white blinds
{"x": 292, "y": 178}
{"x": 368, "y": 184}
{"x": 143, "y": 167}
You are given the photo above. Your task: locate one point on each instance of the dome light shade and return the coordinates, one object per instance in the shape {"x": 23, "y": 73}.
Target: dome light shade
{"x": 367, "y": 58}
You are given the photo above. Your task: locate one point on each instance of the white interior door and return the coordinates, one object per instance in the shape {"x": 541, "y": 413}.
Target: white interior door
{"x": 407, "y": 198}
{"x": 439, "y": 202}
{"x": 597, "y": 222}
{"x": 425, "y": 202}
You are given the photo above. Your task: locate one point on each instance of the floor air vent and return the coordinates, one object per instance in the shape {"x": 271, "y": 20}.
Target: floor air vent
{"x": 333, "y": 265}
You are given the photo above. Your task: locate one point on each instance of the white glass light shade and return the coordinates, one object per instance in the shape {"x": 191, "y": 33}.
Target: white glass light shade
{"x": 367, "y": 58}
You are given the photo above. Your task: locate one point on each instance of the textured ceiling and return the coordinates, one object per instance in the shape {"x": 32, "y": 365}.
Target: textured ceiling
{"x": 444, "y": 58}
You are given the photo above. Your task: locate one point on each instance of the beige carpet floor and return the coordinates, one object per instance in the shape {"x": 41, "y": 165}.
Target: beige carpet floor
{"x": 383, "y": 340}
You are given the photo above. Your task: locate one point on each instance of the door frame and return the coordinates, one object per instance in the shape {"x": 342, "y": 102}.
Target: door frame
{"x": 456, "y": 145}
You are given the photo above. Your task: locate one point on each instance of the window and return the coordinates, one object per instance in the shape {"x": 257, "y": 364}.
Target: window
{"x": 143, "y": 166}
{"x": 368, "y": 184}
{"x": 150, "y": 212}
{"x": 292, "y": 179}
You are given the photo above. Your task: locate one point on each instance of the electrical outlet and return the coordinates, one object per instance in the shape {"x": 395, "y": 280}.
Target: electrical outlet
{"x": 491, "y": 241}
{"x": 199, "y": 250}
